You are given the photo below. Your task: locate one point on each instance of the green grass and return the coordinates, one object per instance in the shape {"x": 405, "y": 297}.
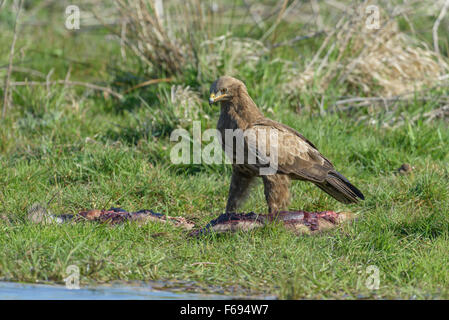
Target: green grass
{"x": 402, "y": 226}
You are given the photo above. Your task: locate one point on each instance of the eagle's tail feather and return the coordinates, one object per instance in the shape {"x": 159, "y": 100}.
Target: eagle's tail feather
{"x": 340, "y": 188}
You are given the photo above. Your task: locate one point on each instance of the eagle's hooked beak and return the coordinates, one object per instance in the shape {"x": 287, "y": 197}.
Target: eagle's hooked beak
{"x": 213, "y": 98}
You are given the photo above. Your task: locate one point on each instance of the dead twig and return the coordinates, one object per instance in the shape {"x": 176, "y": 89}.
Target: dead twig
{"x": 147, "y": 83}
{"x": 297, "y": 39}
{"x": 356, "y": 102}
{"x": 254, "y": 15}
{"x": 427, "y": 117}
{"x": 202, "y": 263}
{"x": 284, "y": 9}
{"x": 437, "y": 24}
{"x": 28, "y": 71}
{"x": 11, "y": 55}
{"x": 68, "y": 83}
{"x": 439, "y": 113}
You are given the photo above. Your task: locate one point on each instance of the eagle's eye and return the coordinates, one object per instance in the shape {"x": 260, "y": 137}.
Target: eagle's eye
{"x": 224, "y": 90}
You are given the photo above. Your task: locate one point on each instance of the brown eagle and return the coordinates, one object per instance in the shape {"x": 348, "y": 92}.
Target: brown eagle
{"x": 297, "y": 157}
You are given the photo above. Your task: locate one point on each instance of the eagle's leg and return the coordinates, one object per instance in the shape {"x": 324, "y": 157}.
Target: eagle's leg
{"x": 239, "y": 189}
{"x": 277, "y": 194}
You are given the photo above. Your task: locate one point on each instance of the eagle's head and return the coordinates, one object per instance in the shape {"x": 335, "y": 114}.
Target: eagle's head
{"x": 225, "y": 88}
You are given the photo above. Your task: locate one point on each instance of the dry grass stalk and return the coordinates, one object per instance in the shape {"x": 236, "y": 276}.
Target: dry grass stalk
{"x": 373, "y": 62}
{"x": 147, "y": 83}
{"x": 11, "y": 55}
{"x": 227, "y": 54}
{"x": 170, "y": 36}
{"x": 152, "y": 38}
{"x": 437, "y": 24}
{"x": 441, "y": 113}
{"x": 68, "y": 83}
{"x": 186, "y": 103}
{"x": 163, "y": 37}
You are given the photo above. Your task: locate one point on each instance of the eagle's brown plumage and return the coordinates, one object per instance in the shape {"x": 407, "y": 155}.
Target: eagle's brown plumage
{"x": 298, "y": 158}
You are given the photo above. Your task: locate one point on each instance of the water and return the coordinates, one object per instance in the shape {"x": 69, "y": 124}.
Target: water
{"x": 23, "y": 291}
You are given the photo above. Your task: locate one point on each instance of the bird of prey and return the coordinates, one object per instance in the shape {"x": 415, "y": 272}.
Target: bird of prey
{"x": 297, "y": 157}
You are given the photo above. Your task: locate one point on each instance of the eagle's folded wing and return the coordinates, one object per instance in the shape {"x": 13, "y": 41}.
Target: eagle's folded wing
{"x": 290, "y": 153}
{"x": 293, "y": 154}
